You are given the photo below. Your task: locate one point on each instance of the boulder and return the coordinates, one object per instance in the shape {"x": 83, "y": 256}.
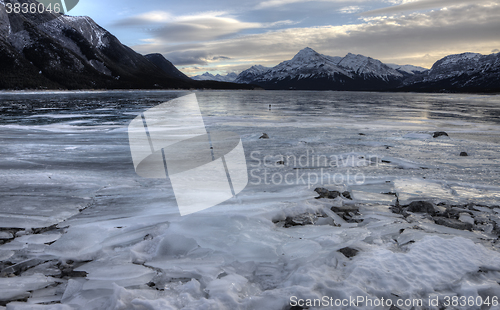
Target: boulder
{"x": 453, "y": 223}
{"x": 421, "y": 207}
{"x": 324, "y": 193}
{"x": 439, "y": 134}
{"x": 347, "y": 195}
{"x": 348, "y": 252}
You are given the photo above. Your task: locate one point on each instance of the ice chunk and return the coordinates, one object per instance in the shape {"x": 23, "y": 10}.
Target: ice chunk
{"x": 80, "y": 242}
{"x": 300, "y": 248}
{"x": 6, "y": 235}
{"x": 209, "y": 267}
{"x": 19, "y": 287}
{"x": 38, "y": 210}
{"x": 175, "y": 246}
{"x": 466, "y": 218}
{"x": 413, "y": 189}
{"x": 103, "y": 274}
{"x": 30, "y": 306}
{"x": 6, "y": 254}
{"x": 230, "y": 290}
{"x": 373, "y": 197}
{"x": 38, "y": 239}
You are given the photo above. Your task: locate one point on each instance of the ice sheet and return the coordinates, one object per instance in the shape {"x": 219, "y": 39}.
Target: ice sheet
{"x": 92, "y": 234}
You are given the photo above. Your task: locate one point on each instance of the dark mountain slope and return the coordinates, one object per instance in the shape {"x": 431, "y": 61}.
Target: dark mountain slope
{"x": 54, "y": 51}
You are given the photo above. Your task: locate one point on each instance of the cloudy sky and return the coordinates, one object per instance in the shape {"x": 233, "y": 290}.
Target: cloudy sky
{"x": 222, "y": 36}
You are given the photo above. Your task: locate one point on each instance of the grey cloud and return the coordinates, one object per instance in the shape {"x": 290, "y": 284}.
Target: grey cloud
{"x": 220, "y": 57}
{"x": 201, "y": 29}
{"x": 188, "y": 58}
{"x": 408, "y": 38}
{"x": 418, "y": 39}
{"x": 496, "y": 50}
{"x": 419, "y": 5}
{"x": 182, "y": 47}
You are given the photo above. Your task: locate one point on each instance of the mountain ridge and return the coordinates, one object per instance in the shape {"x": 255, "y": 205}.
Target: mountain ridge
{"x": 55, "y": 51}
{"x": 207, "y": 76}
{"x": 311, "y": 70}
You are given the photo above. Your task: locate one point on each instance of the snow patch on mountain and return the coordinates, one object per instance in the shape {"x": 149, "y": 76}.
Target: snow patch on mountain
{"x": 94, "y": 33}
{"x": 455, "y": 65}
{"x": 410, "y": 69}
{"x": 455, "y": 59}
{"x": 368, "y": 67}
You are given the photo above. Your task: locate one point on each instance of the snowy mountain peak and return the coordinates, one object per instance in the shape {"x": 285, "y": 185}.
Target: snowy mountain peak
{"x": 248, "y": 75}
{"x": 456, "y": 59}
{"x": 308, "y": 55}
{"x": 258, "y": 68}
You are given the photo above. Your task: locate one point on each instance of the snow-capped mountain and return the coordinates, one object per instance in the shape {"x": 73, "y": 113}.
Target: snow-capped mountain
{"x": 462, "y": 72}
{"x": 454, "y": 65}
{"x": 56, "y": 51}
{"x": 250, "y": 74}
{"x": 230, "y": 77}
{"x": 70, "y": 52}
{"x": 309, "y": 69}
{"x": 368, "y": 67}
{"x": 306, "y": 64}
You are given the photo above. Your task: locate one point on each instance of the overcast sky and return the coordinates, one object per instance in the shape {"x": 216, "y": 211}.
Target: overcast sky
{"x": 222, "y": 36}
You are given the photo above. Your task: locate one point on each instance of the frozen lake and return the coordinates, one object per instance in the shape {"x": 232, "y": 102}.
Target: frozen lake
{"x": 79, "y": 229}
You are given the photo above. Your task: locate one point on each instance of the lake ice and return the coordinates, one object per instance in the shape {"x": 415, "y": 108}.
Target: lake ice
{"x": 79, "y": 229}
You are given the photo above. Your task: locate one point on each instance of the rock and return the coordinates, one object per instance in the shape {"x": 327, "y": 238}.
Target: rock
{"x": 280, "y": 162}
{"x": 421, "y": 207}
{"x": 348, "y": 252}
{"x": 361, "y": 134}
{"x": 347, "y": 195}
{"x": 464, "y": 154}
{"x": 342, "y": 209}
{"x": 453, "y": 223}
{"x": 289, "y": 222}
{"x": 439, "y": 134}
{"x": 300, "y": 220}
{"x": 324, "y": 193}
{"x": 264, "y": 136}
